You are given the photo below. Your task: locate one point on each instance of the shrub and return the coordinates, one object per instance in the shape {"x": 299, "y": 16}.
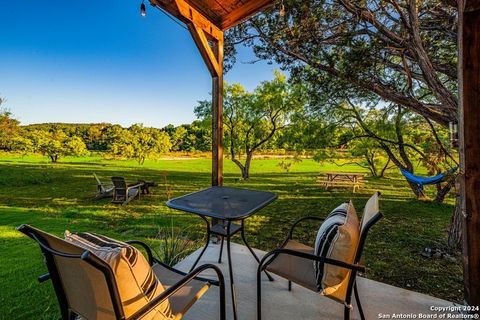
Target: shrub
{"x": 175, "y": 244}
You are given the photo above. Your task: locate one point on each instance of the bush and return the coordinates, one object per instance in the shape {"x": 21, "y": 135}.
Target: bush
{"x": 175, "y": 244}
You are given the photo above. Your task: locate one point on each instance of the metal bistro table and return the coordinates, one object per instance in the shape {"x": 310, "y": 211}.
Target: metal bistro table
{"x": 226, "y": 205}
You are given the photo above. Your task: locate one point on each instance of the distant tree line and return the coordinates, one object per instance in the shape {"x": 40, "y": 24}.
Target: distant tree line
{"x": 57, "y": 140}
{"x": 278, "y": 115}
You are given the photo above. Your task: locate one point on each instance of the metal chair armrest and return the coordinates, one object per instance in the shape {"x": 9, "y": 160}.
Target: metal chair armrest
{"x": 290, "y": 234}
{"x": 273, "y": 254}
{"x": 210, "y": 281}
{"x": 173, "y": 289}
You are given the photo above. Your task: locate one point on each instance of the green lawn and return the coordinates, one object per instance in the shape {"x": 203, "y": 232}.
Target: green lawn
{"x": 56, "y": 197}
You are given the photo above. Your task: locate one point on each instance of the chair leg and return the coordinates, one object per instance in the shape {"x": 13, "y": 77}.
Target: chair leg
{"x": 259, "y": 292}
{"x": 223, "y": 313}
{"x": 289, "y": 285}
{"x": 359, "y": 304}
{"x": 346, "y": 313}
{"x": 221, "y": 249}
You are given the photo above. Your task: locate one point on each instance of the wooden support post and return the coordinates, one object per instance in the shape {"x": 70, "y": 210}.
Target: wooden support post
{"x": 213, "y": 56}
{"x": 469, "y": 123}
{"x": 217, "y": 120}
{"x": 209, "y": 40}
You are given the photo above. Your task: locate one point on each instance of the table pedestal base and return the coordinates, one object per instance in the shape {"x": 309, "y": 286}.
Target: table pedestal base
{"x": 226, "y": 229}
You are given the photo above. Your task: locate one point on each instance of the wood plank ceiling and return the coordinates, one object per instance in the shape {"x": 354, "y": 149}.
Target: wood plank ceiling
{"x": 224, "y": 14}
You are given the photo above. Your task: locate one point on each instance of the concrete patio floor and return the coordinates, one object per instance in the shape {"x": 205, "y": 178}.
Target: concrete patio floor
{"x": 380, "y": 301}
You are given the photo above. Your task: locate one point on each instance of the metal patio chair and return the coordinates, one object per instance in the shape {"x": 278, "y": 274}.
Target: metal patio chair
{"x": 104, "y": 190}
{"x": 85, "y": 285}
{"x": 294, "y": 261}
{"x": 123, "y": 193}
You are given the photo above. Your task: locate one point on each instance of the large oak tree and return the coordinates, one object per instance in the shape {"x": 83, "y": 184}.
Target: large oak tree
{"x": 253, "y": 119}
{"x": 401, "y": 51}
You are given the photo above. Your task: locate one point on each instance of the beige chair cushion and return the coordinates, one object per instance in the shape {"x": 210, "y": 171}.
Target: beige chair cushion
{"x": 371, "y": 209}
{"x": 137, "y": 283}
{"x": 186, "y": 296}
{"x": 338, "y": 239}
{"x": 296, "y": 269}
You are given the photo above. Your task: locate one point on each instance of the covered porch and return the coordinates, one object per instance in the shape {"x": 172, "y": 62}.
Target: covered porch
{"x": 379, "y": 300}
{"x": 207, "y": 22}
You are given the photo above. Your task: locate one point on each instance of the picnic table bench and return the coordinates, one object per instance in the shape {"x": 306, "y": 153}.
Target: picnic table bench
{"x": 341, "y": 179}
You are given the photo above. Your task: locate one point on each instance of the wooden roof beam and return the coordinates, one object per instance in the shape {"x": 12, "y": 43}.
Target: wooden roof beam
{"x": 210, "y": 58}
{"x": 244, "y": 12}
{"x": 181, "y": 10}
{"x": 199, "y": 20}
{"x": 472, "y": 5}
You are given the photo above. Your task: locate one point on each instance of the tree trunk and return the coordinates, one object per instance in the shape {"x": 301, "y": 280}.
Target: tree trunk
{"x": 454, "y": 241}
{"x": 382, "y": 173}
{"x": 420, "y": 194}
{"x": 243, "y": 167}
{"x": 246, "y": 167}
{"x": 371, "y": 164}
{"x": 443, "y": 191}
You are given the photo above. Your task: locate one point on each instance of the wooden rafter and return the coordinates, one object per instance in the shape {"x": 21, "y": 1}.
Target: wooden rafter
{"x": 211, "y": 59}
{"x": 213, "y": 16}
{"x": 186, "y": 13}
{"x": 244, "y": 12}
{"x": 472, "y": 5}
{"x": 199, "y": 20}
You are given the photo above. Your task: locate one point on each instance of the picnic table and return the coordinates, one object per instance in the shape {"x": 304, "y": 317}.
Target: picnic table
{"x": 341, "y": 179}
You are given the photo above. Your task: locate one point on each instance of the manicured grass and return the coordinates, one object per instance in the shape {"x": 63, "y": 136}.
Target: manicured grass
{"x": 56, "y": 197}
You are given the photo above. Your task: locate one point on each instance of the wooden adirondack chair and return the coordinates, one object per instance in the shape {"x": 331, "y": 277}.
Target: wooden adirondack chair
{"x": 104, "y": 190}
{"x": 123, "y": 193}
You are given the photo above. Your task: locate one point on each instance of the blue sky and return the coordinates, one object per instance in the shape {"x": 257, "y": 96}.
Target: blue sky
{"x": 100, "y": 61}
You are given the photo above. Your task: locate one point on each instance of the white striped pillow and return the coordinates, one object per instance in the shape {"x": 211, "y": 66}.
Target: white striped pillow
{"x": 337, "y": 238}
{"x": 136, "y": 281}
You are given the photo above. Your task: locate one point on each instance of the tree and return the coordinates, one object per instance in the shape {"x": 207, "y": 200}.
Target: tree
{"x": 364, "y": 153}
{"x": 9, "y": 127}
{"x": 22, "y": 144}
{"x": 56, "y": 144}
{"x": 403, "y": 136}
{"x": 76, "y": 146}
{"x": 201, "y": 135}
{"x": 92, "y": 136}
{"x": 252, "y": 119}
{"x": 137, "y": 142}
{"x": 179, "y": 136}
{"x": 403, "y": 52}
{"x": 110, "y": 135}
